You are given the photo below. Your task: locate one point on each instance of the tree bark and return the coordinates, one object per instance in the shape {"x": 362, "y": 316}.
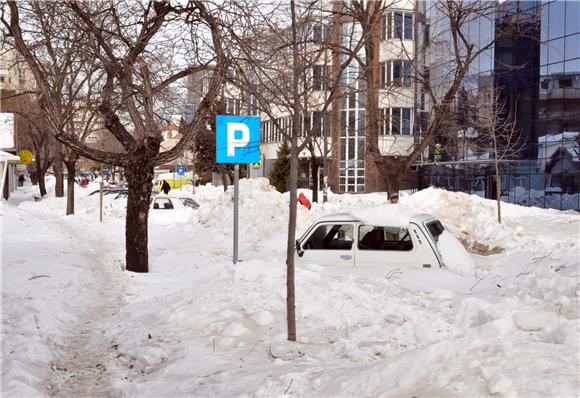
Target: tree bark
{"x": 224, "y": 176}
{"x": 40, "y": 172}
{"x": 293, "y": 188}
{"x": 70, "y": 186}
{"x": 57, "y": 167}
{"x": 140, "y": 177}
{"x": 498, "y": 190}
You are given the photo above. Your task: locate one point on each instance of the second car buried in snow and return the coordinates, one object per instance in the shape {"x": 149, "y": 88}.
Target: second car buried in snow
{"x": 170, "y": 203}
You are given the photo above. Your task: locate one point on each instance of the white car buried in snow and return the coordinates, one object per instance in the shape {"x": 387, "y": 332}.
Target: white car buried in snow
{"x": 385, "y": 236}
{"x": 163, "y": 202}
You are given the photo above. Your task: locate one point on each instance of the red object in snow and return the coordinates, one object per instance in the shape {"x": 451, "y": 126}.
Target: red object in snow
{"x": 304, "y": 201}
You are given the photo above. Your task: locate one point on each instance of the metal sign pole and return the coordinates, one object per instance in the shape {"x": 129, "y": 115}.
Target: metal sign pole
{"x": 236, "y": 209}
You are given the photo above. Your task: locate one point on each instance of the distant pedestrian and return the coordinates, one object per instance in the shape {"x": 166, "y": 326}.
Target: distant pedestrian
{"x": 165, "y": 187}
{"x": 394, "y": 198}
{"x": 20, "y": 180}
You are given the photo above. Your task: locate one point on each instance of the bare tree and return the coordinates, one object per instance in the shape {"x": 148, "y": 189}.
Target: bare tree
{"x": 129, "y": 41}
{"x": 495, "y": 133}
{"x": 275, "y": 65}
{"x": 33, "y": 133}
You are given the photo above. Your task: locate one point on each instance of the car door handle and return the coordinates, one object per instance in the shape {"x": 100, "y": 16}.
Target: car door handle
{"x": 345, "y": 257}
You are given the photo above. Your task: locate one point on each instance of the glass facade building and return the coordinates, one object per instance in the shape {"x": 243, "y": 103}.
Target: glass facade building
{"x": 537, "y": 76}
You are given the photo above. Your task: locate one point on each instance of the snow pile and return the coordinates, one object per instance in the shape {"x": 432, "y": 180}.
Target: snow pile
{"x": 396, "y": 215}
{"x": 466, "y": 216}
{"x": 454, "y": 255}
{"x": 199, "y": 326}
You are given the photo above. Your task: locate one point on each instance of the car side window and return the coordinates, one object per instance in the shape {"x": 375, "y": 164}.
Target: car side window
{"x": 384, "y": 238}
{"x": 331, "y": 237}
{"x": 435, "y": 228}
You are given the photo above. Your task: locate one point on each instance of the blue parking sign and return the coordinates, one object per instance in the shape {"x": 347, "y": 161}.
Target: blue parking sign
{"x": 237, "y": 139}
{"x": 180, "y": 170}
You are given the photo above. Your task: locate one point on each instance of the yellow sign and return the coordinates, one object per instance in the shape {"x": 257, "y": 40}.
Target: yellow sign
{"x": 259, "y": 164}
{"x": 25, "y": 156}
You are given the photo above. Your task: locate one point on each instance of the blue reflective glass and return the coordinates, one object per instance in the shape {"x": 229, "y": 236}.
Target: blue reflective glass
{"x": 572, "y": 17}
{"x": 556, "y": 50}
{"x": 544, "y": 52}
{"x": 572, "y": 65}
{"x": 557, "y": 19}
{"x": 572, "y": 46}
{"x": 544, "y": 25}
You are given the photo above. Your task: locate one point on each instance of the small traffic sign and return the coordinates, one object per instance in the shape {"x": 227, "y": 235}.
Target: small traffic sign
{"x": 237, "y": 139}
{"x": 180, "y": 170}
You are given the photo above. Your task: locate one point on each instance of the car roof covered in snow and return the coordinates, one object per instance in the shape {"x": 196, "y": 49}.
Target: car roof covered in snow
{"x": 387, "y": 215}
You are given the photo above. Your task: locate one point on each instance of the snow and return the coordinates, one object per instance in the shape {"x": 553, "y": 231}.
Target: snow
{"x": 396, "y": 215}
{"x": 454, "y": 255}
{"x": 506, "y": 324}
{"x": 566, "y": 135}
{"x": 535, "y": 320}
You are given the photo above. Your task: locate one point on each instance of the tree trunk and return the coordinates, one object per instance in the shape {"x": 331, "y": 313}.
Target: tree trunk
{"x": 498, "y": 191}
{"x": 293, "y": 188}
{"x": 314, "y": 165}
{"x": 70, "y": 186}
{"x": 41, "y": 184}
{"x": 392, "y": 182}
{"x": 140, "y": 177}
{"x": 224, "y": 176}
{"x": 57, "y": 167}
{"x": 291, "y": 246}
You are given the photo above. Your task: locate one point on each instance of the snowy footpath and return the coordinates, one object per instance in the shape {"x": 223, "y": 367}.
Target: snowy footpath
{"x": 74, "y": 324}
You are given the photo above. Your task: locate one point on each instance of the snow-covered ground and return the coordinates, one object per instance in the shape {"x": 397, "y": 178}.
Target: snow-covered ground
{"x": 75, "y": 324}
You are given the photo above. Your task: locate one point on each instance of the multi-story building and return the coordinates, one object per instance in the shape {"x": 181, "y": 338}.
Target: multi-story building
{"x": 15, "y": 78}
{"x": 537, "y": 76}
{"x": 342, "y": 139}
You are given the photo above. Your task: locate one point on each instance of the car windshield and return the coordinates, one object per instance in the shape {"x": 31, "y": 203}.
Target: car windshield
{"x": 163, "y": 203}
{"x": 189, "y": 202}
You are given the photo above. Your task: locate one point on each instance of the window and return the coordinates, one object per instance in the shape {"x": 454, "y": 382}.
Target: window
{"x": 406, "y": 121}
{"x": 384, "y": 122}
{"x": 435, "y": 228}
{"x": 396, "y": 121}
{"x": 408, "y": 26}
{"x": 407, "y": 73}
{"x": 397, "y": 73}
{"x": 321, "y": 33}
{"x": 233, "y": 106}
{"x": 188, "y": 202}
{"x": 320, "y": 77}
{"x": 384, "y": 238}
{"x": 331, "y": 237}
{"x": 398, "y": 19}
{"x": 163, "y": 203}
{"x": 397, "y": 25}
{"x": 564, "y": 83}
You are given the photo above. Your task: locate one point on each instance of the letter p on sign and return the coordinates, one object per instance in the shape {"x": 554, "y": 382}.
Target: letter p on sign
{"x": 234, "y": 143}
{"x": 238, "y": 139}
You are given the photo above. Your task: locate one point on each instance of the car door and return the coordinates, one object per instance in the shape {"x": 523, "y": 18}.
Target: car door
{"x": 330, "y": 244}
{"x": 385, "y": 246}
